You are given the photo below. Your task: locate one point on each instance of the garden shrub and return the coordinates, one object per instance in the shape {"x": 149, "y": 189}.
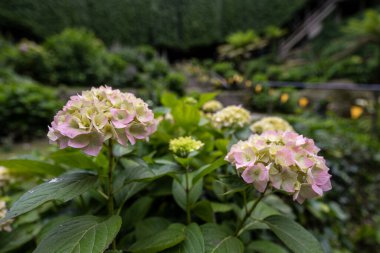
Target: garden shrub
{"x": 175, "y": 81}
{"x": 33, "y": 60}
{"x": 80, "y": 58}
{"x": 225, "y": 69}
{"x": 25, "y": 109}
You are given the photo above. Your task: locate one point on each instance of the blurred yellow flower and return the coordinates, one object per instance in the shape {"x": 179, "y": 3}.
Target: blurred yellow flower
{"x": 258, "y": 88}
{"x": 356, "y": 111}
{"x": 248, "y": 83}
{"x": 303, "y": 102}
{"x": 238, "y": 78}
{"x": 284, "y": 98}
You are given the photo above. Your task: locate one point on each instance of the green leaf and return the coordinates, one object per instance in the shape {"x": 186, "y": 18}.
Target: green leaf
{"x": 137, "y": 211}
{"x": 63, "y": 188}
{"x": 151, "y": 226}
{"x": 179, "y": 194}
{"x": 138, "y": 170}
{"x": 232, "y": 184}
{"x": 205, "y": 97}
{"x": 293, "y": 235}
{"x": 51, "y": 225}
{"x": 204, "y": 211}
{"x": 261, "y": 211}
{"x": 119, "y": 150}
{"x": 218, "y": 240}
{"x": 179, "y": 191}
{"x": 262, "y": 246}
{"x": 24, "y": 167}
{"x": 18, "y": 237}
{"x": 195, "y": 192}
{"x": 186, "y": 116}
{"x": 277, "y": 203}
{"x": 81, "y": 234}
{"x": 207, "y": 169}
{"x": 165, "y": 239}
{"x": 222, "y": 144}
{"x": 193, "y": 243}
{"x": 169, "y": 99}
{"x": 127, "y": 191}
{"x": 73, "y": 159}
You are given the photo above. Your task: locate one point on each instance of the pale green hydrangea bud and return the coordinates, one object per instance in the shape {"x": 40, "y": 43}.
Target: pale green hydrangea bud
{"x": 270, "y": 123}
{"x": 190, "y": 101}
{"x": 183, "y": 146}
{"x": 231, "y": 117}
{"x": 212, "y": 106}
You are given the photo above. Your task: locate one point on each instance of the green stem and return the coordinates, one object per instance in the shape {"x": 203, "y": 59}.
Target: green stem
{"x": 110, "y": 179}
{"x": 110, "y": 204}
{"x": 188, "y": 215}
{"x": 248, "y": 214}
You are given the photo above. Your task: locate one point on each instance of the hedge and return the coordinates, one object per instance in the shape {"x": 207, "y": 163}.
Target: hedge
{"x": 167, "y": 23}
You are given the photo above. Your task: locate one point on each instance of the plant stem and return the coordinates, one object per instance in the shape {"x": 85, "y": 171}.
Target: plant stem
{"x": 188, "y": 216}
{"x": 110, "y": 204}
{"x": 248, "y": 214}
{"x": 110, "y": 179}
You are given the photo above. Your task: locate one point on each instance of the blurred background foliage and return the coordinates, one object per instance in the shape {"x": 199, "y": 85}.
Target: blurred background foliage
{"x": 179, "y": 24}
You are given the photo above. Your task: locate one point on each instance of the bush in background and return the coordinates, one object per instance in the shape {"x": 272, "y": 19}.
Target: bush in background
{"x": 26, "y": 109}
{"x": 80, "y": 58}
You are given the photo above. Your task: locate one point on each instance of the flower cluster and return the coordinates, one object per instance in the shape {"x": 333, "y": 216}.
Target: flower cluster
{"x": 212, "y": 106}
{"x": 4, "y": 176}
{"x": 100, "y": 114}
{"x": 231, "y": 117}
{"x": 285, "y": 160}
{"x": 183, "y": 146}
{"x": 3, "y": 212}
{"x": 270, "y": 123}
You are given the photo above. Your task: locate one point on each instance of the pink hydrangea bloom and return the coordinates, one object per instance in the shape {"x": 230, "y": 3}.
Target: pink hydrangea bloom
{"x": 100, "y": 114}
{"x": 286, "y": 161}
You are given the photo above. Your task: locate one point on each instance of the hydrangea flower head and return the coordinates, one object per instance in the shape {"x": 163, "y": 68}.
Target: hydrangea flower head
{"x": 270, "y": 123}
{"x": 4, "y": 176}
{"x": 286, "y": 161}
{"x": 183, "y": 146}
{"x": 100, "y": 114}
{"x": 231, "y": 117}
{"x": 212, "y": 106}
{"x": 3, "y": 212}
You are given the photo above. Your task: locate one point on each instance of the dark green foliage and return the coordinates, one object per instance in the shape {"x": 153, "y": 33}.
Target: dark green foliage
{"x": 31, "y": 59}
{"x": 169, "y": 23}
{"x": 26, "y": 109}
{"x": 80, "y": 58}
{"x": 225, "y": 69}
{"x": 175, "y": 82}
